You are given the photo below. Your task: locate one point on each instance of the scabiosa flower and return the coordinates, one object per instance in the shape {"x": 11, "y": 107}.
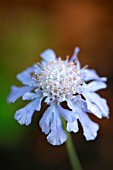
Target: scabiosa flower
{"x": 55, "y": 81}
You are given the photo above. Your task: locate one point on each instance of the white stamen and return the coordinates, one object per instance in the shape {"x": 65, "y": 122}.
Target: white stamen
{"x": 59, "y": 79}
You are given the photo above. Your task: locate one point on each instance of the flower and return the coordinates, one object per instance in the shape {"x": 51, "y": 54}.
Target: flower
{"x": 55, "y": 81}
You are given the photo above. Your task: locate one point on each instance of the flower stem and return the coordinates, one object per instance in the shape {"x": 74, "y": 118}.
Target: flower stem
{"x": 72, "y": 154}
{"x": 75, "y": 163}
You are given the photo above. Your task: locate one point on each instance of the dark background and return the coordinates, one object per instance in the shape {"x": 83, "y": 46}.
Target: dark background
{"x": 27, "y": 27}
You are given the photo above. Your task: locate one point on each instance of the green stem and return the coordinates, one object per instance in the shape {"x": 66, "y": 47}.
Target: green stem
{"x": 71, "y": 152}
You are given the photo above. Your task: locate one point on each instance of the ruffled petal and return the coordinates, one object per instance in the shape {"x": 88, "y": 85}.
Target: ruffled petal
{"x": 45, "y": 121}
{"x": 90, "y": 74}
{"x": 38, "y": 107}
{"x": 99, "y": 102}
{"x": 90, "y": 128}
{"x": 25, "y": 76}
{"x": 96, "y": 85}
{"x": 71, "y": 105}
{"x": 17, "y": 92}
{"x": 75, "y": 58}
{"x": 77, "y": 102}
{"x": 68, "y": 115}
{"x": 93, "y": 109}
{"x": 24, "y": 115}
{"x": 31, "y": 95}
{"x": 51, "y": 124}
{"x": 72, "y": 126}
{"x": 48, "y": 55}
{"x": 57, "y": 136}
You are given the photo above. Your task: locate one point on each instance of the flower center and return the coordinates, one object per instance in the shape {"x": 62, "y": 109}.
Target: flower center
{"x": 59, "y": 79}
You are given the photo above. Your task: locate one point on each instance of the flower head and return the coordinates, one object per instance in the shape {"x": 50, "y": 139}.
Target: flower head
{"x": 55, "y": 81}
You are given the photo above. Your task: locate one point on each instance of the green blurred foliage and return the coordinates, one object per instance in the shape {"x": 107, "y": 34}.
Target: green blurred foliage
{"x": 22, "y": 38}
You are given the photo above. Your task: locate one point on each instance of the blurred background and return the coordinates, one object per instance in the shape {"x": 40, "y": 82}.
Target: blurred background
{"x": 27, "y": 27}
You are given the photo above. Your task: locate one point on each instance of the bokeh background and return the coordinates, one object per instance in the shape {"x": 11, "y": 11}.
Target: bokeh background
{"x": 27, "y": 27}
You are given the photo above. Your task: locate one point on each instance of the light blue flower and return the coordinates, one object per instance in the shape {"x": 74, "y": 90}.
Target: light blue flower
{"x": 55, "y": 81}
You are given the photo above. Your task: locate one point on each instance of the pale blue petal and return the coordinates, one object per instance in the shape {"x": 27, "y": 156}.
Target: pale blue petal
{"x": 57, "y": 136}
{"x": 72, "y": 126}
{"x": 31, "y": 95}
{"x": 48, "y": 55}
{"x": 81, "y": 103}
{"x": 51, "y": 124}
{"x": 90, "y": 128}
{"x": 75, "y": 58}
{"x": 24, "y": 115}
{"x": 38, "y": 91}
{"x": 96, "y": 85}
{"x": 67, "y": 114}
{"x": 98, "y": 101}
{"x": 48, "y": 100}
{"x": 77, "y": 102}
{"x": 25, "y": 76}
{"x": 92, "y": 75}
{"x": 71, "y": 105}
{"x": 81, "y": 108}
{"x": 45, "y": 121}
{"x": 17, "y": 92}
{"x": 93, "y": 108}
{"x": 37, "y": 69}
{"x": 38, "y": 107}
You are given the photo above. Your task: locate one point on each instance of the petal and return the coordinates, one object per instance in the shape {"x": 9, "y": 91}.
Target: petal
{"x": 96, "y": 85}
{"x": 98, "y": 101}
{"x": 67, "y": 114}
{"x": 81, "y": 108}
{"x": 57, "y": 136}
{"x": 37, "y": 69}
{"x": 93, "y": 108}
{"x": 24, "y": 115}
{"x": 92, "y": 75}
{"x": 51, "y": 124}
{"x": 48, "y": 55}
{"x": 17, "y": 92}
{"x": 79, "y": 102}
{"x": 90, "y": 128}
{"x": 38, "y": 107}
{"x": 72, "y": 126}
{"x": 74, "y": 57}
{"x": 71, "y": 105}
{"x": 47, "y": 100}
{"x": 45, "y": 121}
{"x": 25, "y": 76}
{"x": 31, "y": 95}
